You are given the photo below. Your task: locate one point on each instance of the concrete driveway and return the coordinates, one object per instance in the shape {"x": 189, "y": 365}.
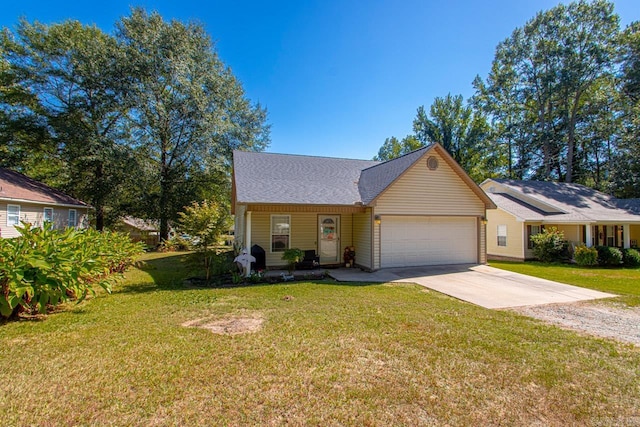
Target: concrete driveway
{"x": 478, "y": 284}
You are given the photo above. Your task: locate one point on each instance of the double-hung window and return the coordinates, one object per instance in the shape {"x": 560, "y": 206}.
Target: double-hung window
{"x": 13, "y": 214}
{"x": 502, "y": 235}
{"x": 73, "y": 218}
{"x": 280, "y": 232}
{"x": 47, "y": 216}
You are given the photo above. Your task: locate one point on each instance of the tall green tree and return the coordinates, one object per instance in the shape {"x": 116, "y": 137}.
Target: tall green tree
{"x": 541, "y": 81}
{"x": 626, "y": 166}
{"x": 461, "y": 131}
{"x": 72, "y": 101}
{"x": 393, "y": 147}
{"x": 189, "y": 111}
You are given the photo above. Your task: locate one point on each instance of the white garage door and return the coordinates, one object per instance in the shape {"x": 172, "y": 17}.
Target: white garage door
{"x": 418, "y": 240}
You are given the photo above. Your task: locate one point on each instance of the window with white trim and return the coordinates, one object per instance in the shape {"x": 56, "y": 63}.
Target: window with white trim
{"x": 47, "y": 216}
{"x": 502, "y": 235}
{"x": 280, "y": 232}
{"x": 13, "y": 214}
{"x": 73, "y": 218}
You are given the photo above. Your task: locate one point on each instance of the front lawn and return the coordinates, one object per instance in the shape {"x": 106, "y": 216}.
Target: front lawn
{"x": 621, "y": 281}
{"x": 326, "y": 354}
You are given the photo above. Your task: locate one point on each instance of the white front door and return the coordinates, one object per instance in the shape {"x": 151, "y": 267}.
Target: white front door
{"x": 329, "y": 238}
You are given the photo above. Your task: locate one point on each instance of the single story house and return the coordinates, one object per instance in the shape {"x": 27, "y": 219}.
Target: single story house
{"x": 25, "y": 199}
{"x": 584, "y": 215}
{"x": 417, "y": 209}
{"x": 140, "y": 230}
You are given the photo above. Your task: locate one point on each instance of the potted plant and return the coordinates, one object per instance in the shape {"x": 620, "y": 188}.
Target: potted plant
{"x": 292, "y": 256}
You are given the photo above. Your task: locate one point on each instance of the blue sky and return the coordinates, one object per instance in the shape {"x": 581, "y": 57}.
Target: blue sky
{"x": 337, "y": 77}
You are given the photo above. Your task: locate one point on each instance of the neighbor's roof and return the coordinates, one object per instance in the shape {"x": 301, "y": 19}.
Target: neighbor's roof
{"x": 567, "y": 202}
{"x": 632, "y": 205}
{"x": 295, "y": 179}
{"x": 140, "y": 224}
{"x": 16, "y": 187}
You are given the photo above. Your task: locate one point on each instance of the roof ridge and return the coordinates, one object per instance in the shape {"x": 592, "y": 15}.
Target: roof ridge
{"x": 424, "y": 147}
{"x": 309, "y": 156}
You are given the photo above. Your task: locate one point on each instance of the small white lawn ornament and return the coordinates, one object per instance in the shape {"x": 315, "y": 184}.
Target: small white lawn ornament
{"x": 245, "y": 259}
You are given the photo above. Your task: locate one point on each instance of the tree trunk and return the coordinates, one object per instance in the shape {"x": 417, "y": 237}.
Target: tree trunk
{"x": 164, "y": 197}
{"x": 571, "y": 139}
{"x": 99, "y": 200}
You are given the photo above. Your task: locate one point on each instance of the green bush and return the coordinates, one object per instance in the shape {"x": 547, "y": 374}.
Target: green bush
{"x": 549, "y": 245}
{"x": 608, "y": 255}
{"x": 205, "y": 222}
{"x": 631, "y": 257}
{"x": 585, "y": 256}
{"x": 44, "y": 267}
{"x": 292, "y": 256}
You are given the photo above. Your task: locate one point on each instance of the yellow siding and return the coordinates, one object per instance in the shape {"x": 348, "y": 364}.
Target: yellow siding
{"x": 634, "y": 234}
{"x": 515, "y": 234}
{"x": 572, "y": 232}
{"x": 34, "y": 214}
{"x": 362, "y": 239}
{"x": 421, "y": 191}
{"x": 304, "y": 233}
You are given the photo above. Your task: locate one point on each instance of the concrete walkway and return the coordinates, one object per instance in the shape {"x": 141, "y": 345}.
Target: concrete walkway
{"x": 478, "y": 284}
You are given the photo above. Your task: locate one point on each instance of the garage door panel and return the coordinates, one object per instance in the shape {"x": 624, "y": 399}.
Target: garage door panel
{"x": 412, "y": 241}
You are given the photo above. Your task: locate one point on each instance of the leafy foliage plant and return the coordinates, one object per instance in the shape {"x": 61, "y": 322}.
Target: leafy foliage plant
{"x": 549, "y": 245}
{"x": 609, "y": 256}
{"x": 45, "y": 267}
{"x": 631, "y": 257}
{"x": 292, "y": 256}
{"x": 585, "y": 256}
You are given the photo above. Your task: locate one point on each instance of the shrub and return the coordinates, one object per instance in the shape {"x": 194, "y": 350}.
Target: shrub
{"x": 205, "y": 222}
{"x": 608, "y": 255}
{"x": 631, "y": 257}
{"x": 44, "y": 267}
{"x": 175, "y": 243}
{"x": 549, "y": 245}
{"x": 585, "y": 256}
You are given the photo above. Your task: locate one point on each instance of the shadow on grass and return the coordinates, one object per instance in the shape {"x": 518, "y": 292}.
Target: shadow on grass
{"x": 169, "y": 271}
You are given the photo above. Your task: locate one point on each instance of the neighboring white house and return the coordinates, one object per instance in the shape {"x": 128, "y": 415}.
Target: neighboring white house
{"x": 584, "y": 215}
{"x": 417, "y": 209}
{"x": 25, "y": 199}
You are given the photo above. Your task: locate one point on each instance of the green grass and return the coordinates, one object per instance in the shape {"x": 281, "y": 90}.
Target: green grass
{"x": 621, "y": 281}
{"x": 329, "y": 354}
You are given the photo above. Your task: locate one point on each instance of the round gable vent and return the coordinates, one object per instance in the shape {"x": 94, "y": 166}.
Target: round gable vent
{"x": 432, "y": 163}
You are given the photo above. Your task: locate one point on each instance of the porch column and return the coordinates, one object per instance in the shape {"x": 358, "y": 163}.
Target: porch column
{"x": 626, "y": 236}
{"x": 587, "y": 235}
{"x": 247, "y": 231}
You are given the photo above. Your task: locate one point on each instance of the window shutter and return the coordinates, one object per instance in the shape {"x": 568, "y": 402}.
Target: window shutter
{"x": 529, "y": 242}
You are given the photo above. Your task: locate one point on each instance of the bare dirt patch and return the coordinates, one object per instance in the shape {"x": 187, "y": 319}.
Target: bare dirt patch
{"x": 230, "y": 325}
{"x": 620, "y": 323}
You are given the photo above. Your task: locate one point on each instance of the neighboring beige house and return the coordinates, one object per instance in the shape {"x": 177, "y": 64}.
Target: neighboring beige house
{"x": 418, "y": 209}
{"x": 25, "y": 199}
{"x": 140, "y": 230}
{"x": 584, "y": 215}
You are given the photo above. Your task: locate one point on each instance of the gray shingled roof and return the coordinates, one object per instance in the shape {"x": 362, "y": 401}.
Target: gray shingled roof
{"x": 517, "y": 207}
{"x": 295, "y": 179}
{"x": 577, "y": 202}
{"x": 16, "y": 186}
{"x": 630, "y": 205}
{"x": 375, "y": 179}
